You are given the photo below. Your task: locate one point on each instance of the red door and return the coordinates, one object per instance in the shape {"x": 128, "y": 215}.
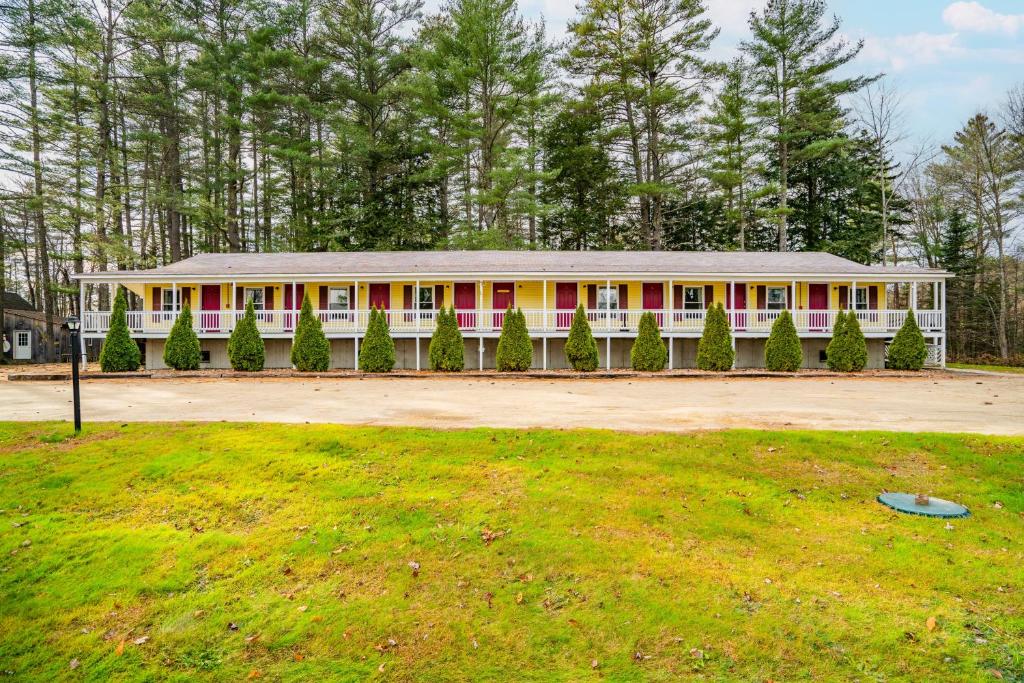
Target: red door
{"x": 503, "y": 295}
{"x": 465, "y": 302}
{"x": 565, "y": 303}
{"x": 209, "y": 316}
{"x": 739, "y": 321}
{"x": 654, "y": 300}
{"x": 380, "y": 295}
{"x": 817, "y": 300}
{"x": 289, "y": 305}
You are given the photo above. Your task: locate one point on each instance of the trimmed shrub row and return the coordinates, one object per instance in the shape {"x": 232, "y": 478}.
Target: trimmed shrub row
{"x": 311, "y": 351}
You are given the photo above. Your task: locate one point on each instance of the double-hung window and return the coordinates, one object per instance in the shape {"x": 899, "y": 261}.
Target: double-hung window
{"x": 167, "y": 300}
{"x": 776, "y": 298}
{"x": 255, "y": 295}
{"x": 693, "y": 298}
{"x": 337, "y": 298}
{"x": 860, "y": 299}
{"x": 425, "y": 301}
{"x": 608, "y": 298}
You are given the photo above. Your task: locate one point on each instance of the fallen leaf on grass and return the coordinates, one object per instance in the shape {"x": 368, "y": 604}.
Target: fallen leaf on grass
{"x": 930, "y": 623}
{"x": 415, "y": 567}
{"x": 489, "y": 536}
{"x": 74, "y": 664}
{"x": 119, "y": 650}
{"x": 255, "y": 673}
{"x": 141, "y": 640}
{"x": 519, "y": 598}
{"x": 298, "y": 657}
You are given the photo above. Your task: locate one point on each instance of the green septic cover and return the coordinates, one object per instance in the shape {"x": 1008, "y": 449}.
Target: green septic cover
{"x": 936, "y": 507}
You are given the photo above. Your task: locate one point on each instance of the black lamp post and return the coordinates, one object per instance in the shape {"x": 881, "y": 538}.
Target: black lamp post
{"x": 74, "y": 327}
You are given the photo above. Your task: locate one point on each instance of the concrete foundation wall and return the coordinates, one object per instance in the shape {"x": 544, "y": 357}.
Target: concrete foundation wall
{"x": 749, "y": 353}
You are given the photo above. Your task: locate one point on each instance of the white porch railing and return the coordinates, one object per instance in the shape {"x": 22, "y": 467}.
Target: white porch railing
{"x": 338, "y": 322}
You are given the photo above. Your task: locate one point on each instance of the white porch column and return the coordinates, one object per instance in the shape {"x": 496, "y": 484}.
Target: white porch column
{"x": 608, "y": 322}
{"x": 943, "y": 309}
{"x": 481, "y": 362}
{"x": 296, "y": 305}
{"x": 355, "y": 331}
{"x": 416, "y": 305}
{"x": 851, "y": 296}
{"x": 544, "y": 353}
{"x": 935, "y": 295}
{"x": 913, "y": 296}
{"x": 234, "y": 300}
{"x": 174, "y": 298}
{"x": 671, "y": 309}
{"x": 544, "y": 313}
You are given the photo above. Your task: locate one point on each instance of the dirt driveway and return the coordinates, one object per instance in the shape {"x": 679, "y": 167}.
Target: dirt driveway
{"x": 935, "y": 402}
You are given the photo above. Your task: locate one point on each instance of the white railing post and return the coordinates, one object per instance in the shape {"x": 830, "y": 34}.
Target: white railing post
{"x": 544, "y": 314}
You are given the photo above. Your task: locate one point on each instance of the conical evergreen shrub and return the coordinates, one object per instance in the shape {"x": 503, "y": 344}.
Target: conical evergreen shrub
{"x": 782, "y": 352}
{"x": 120, "y": 353}
{"x": 182, "y": 351}
{"x": 856, "y": 345}
{"x": 648, "y": 353}
{"x": 908, "y": 350}
{"x": 836, "y": 356}
{"x": 245, "y": 347}
{"x": 311, "y": 352}
{"x": 447, "y": 350}
{"x": 377, "y": 352}
{"x": 515, "y": 350}
{"x": 580, "y": 347}
{"x": 714, "y": 350}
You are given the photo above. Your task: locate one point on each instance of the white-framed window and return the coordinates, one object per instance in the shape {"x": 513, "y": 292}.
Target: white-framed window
{"x": 608, "y": 298}
{"x": 167, "y": 300}
{"x": 693, "y": 298}
{"x": 776, "y": 298}
{"x": 337, "y": 298}
{"x": 255, "y": 295}
{"x": 425, "y": 301}
{"x": 860, "y": 299}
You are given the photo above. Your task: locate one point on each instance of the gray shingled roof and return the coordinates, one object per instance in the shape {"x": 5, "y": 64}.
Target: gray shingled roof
{"x": 612, "y": 263}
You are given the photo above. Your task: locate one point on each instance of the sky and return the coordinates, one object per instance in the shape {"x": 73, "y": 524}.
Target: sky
{"x": 949, "y": 59}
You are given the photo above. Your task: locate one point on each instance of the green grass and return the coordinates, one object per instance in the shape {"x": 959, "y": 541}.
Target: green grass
{"x": 988, "y": 368}
{"x": 727, "y": 556}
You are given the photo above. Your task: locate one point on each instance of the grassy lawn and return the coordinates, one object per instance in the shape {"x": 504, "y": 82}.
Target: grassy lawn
{"x": 989, "y": 368}
{"x": 277, "y": 552}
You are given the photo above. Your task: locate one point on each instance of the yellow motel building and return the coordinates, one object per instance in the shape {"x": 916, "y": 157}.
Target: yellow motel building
{"x": 616, "y": 288}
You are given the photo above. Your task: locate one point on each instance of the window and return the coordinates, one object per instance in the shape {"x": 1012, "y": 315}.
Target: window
{"x": 167, "y": 300}
{"x": 337, "y": 299}
{"x": 255, "y": 295}
{"x": 204, "y": 357}
{"x": 860, "y": 302}
{"x": 776, "y": 298}
{"x": 426, "y": 299}
{"x": 693, "y": 298}
{"x": 608, "y": 298}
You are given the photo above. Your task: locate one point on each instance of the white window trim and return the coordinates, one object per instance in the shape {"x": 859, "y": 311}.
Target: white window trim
{"x": 697, "y": 305}
{"x": 332, "y": 305}
{"x": 768, "y": 299}
{"x": 246, "y": 298}
{"x": 612, "y": 297}
{"x": 856, "y": 299}
{"x": 420, "y": 303}
{"x": 166, "y": 299}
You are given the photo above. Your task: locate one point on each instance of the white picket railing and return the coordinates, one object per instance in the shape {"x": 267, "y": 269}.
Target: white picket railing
{"x": 337, "y": 322}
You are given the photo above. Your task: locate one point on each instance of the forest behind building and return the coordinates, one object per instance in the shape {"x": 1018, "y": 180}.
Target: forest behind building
{"x": 135, "y": 133}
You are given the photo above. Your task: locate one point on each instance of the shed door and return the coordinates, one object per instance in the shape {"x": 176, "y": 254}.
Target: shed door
{"x": 23, "y": 345}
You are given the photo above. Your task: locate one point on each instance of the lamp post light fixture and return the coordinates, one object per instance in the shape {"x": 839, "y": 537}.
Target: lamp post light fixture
{"x": 74, "y": 327}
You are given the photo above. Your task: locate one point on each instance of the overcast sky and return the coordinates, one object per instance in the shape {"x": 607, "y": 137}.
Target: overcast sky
{"x": 949, "y": 59}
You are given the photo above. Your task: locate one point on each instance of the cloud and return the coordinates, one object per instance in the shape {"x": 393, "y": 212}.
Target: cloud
{"x": 975, "y": 17}
{"x": 898, "y": 53}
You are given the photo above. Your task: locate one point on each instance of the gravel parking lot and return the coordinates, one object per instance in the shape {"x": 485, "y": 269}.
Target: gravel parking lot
{"x": 989, "y": 404}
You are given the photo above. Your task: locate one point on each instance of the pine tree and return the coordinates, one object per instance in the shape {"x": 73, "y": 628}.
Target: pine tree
{"x": 907, "y": 350}
{"x": 377, "y": 352}
{"x": 580, "y": 347}
{"x": 648, "y": 353}
{"x": 447, "y": 349}
{"x": 714, "y": 350}
{"x": 120, "y": 353}
{"x": 515, "y": 350}
{"x": 783, "y": 352}
{"x": 793, "y": 55}
{"x": 245, "y": 346}
{"x": 311, "y": 351}
{"x": 182, "y": 350}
